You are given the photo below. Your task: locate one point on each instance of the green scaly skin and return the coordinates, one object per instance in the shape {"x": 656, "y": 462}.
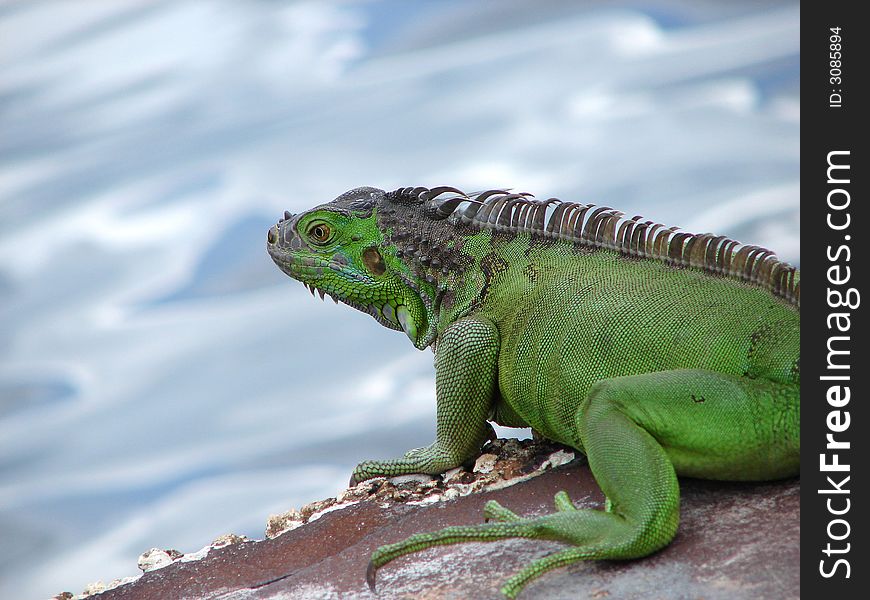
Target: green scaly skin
{"x": 652, "y": 370}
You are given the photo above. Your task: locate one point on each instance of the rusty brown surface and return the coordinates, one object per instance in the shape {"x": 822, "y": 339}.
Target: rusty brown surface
{"x": 735, "y": 541}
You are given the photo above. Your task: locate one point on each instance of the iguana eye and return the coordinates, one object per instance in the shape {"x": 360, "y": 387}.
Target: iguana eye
{"x": 320, "y": 233}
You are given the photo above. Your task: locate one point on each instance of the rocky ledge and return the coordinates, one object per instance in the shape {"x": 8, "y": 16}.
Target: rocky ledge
{"x": 736, "y": 540}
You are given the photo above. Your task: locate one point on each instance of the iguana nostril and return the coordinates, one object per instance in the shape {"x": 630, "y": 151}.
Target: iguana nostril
{"x": 271, "y": 237}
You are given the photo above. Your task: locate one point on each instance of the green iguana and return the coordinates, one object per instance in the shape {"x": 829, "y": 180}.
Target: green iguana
{"x": 655, "y": 353}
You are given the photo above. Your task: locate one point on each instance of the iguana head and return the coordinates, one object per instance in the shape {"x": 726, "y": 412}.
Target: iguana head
{"x": 338, "y": 249}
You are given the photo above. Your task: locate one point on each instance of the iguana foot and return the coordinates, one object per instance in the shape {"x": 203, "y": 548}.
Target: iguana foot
{"x": 431, "y": 460}
{"x": 594, "y": 534}
{"x": 493, "y": 511}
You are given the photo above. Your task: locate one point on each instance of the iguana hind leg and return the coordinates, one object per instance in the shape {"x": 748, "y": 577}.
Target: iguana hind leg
{"x": 630, "y": 428}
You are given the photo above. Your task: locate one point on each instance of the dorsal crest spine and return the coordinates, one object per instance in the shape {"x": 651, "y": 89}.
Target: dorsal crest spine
{"x": 603, "y": 227}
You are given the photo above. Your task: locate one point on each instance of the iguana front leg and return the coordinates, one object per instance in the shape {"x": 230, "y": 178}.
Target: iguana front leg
{"x": 465, "y": 381}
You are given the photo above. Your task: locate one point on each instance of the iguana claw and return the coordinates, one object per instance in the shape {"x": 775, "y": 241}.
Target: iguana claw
{"x": 371, "y": 573}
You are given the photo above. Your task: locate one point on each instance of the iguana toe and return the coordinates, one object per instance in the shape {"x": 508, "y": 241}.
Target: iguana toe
{"x": 493, "y": 511}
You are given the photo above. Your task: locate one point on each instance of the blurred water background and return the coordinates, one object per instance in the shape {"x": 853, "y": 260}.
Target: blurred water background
{"x": 161, "y": 382}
